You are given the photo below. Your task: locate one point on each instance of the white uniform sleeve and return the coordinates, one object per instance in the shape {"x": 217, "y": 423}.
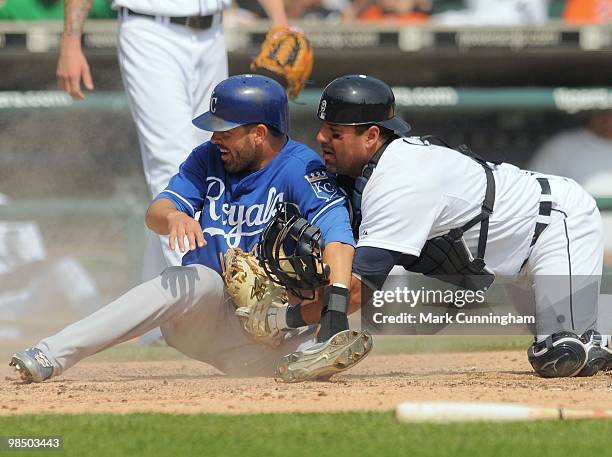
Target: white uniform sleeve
{"x": 399, "y": 205}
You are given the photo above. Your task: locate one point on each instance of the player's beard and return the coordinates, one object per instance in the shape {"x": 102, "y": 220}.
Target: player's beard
{"x": 236, "y": 161}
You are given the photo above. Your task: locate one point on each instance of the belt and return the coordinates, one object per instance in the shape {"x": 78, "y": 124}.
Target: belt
{"x": 193, "y": 22}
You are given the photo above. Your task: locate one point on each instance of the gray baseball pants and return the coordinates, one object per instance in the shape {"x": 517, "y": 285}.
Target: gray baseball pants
{"x": 195, "y": 315}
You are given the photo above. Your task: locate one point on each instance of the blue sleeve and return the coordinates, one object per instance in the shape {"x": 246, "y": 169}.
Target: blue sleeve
{"x": 374, "y": 264}
{"x": 187, "y": 188}
{"x": 335, "y": 225}
{"x": 321, "y": 202}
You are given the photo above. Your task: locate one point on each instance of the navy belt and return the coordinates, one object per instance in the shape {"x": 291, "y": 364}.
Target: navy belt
{"x": 193, "y": 22}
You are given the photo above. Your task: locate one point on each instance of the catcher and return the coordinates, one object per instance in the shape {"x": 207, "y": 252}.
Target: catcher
{"x": 236, "y": 182}
{"x": 452, "y": 215}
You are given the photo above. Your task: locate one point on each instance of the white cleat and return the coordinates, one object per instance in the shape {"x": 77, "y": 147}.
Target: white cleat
{"x": 322, "y": 360}
{"x": 32, "y": 365}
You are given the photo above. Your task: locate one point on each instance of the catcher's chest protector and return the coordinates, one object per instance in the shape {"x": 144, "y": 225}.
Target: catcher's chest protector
{"x": 447, "y": 256}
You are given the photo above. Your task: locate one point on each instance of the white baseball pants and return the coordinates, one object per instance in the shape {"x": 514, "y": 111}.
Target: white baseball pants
{"x": 566, "y": 264}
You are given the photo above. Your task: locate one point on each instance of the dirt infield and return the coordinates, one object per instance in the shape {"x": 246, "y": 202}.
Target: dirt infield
{"x": 378, "y": 383}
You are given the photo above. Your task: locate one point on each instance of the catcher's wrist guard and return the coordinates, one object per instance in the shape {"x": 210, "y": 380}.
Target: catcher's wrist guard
{"x": 336, "y": 298}
{"x": 287, "y": 57}
{"x": 333, "y": 314}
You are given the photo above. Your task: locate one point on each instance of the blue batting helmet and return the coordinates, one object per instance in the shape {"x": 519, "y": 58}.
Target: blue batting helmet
{"x": 246, "y": 99}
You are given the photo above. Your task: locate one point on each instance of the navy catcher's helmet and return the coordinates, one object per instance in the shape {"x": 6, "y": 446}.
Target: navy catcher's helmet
{"x": 360, "y": 100}
{"x": 290, "y": 251}
{"x": 246, "y": 99}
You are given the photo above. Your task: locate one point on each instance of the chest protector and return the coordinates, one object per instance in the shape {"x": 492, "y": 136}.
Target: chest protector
{"x": 445, "y": 257}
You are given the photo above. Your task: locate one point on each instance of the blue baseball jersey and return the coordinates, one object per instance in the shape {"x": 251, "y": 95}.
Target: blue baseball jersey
{"x": 235, "y": 207}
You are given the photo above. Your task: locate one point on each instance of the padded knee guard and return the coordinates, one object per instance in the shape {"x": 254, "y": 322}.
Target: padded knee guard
{"x": 565, "y": 354}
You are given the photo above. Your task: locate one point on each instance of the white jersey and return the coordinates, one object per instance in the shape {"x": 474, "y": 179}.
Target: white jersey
{"x": 408, "y": 200}
{"x": 175, "y": 7}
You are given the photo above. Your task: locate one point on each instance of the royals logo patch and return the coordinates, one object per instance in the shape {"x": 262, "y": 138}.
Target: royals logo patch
{"x": 321, "y": 185}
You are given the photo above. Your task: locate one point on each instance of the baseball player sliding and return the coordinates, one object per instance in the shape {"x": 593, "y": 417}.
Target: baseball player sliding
{"x": 171, "y": 56}
{"x": 451, "y": 214}
{"x": 236, "y": 181}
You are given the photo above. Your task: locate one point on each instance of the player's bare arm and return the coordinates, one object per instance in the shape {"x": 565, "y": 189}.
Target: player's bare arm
{"x": 339, "y": 257}
{"x": 275, "y": 9}
{"x": 72, "y": 66}
{"x": 164, "y": 219}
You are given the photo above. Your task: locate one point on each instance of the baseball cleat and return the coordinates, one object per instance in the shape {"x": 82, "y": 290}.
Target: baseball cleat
{"x": 322, "y": 360}
{"x": 599, "y": 355}
{"x": 32, "y": 365}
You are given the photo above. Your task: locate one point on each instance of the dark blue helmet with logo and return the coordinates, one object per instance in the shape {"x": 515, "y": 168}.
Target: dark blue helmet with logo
{"x": 246, "y": 99}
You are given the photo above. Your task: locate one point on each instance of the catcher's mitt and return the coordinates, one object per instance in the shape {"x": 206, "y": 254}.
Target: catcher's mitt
{"x": 253, "y": 295}
{"x": 287, "y": 57}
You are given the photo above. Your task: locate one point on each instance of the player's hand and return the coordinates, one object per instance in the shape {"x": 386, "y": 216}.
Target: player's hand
{"x": 72, "y": 67}
{"x": 182, "y": 225}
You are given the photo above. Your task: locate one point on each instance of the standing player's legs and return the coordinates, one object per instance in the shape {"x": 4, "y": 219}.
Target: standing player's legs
{"x": 566, "y": 266}
{"x": 169, "y": 72}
